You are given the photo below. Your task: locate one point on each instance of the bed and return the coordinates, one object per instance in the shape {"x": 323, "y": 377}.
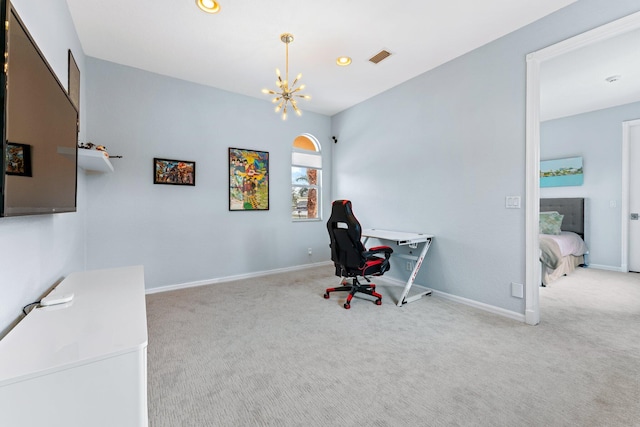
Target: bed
{"x": 562, "y": 246}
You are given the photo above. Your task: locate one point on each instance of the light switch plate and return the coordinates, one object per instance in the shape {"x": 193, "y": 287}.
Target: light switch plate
{"x": 512, "y": 202}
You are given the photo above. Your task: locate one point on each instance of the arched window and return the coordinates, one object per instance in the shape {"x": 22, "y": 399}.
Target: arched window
{"x": 306, "y": 178}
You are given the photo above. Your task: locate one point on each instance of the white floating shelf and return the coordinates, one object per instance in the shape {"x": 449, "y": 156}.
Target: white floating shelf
{"x": 94, "y": 160}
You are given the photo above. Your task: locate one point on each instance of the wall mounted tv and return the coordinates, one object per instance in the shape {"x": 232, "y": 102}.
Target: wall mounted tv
{"x": 40, "y": 132}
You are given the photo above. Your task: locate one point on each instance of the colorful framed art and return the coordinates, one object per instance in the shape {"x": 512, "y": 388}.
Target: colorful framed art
{"x": 248, "y": 180}
{"x": 18, "y": 159}
{"x": 561, "y": 172}
{"x": 174, "y": 172}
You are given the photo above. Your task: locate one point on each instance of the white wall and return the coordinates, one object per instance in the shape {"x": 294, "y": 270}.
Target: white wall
{"x": 36, "y": 252}
{"x": 186, "y": 234}
{"x": 597, "y": 137}
{"x": 446, "y": 148}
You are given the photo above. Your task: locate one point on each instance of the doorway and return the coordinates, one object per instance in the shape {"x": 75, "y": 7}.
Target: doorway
{"x": 630, "y": 196}
{"x": 534, "y": 61}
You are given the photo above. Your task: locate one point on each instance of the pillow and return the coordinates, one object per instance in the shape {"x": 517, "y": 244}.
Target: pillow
{"x": 550, "y": 222}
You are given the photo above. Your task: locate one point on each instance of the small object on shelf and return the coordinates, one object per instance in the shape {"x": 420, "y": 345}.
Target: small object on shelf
{"x": 55, "y": 299}
{"x": 91, "y": 145}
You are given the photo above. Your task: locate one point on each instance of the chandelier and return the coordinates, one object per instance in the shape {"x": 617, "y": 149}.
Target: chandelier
{"x": 286, "y": 94}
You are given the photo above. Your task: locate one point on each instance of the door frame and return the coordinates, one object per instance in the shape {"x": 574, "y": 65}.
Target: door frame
{"x": 532, "y": 147}
{"x": 626, "y": 187}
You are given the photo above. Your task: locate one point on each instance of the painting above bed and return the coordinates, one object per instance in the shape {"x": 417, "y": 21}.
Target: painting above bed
{"x": 561, "y": 172}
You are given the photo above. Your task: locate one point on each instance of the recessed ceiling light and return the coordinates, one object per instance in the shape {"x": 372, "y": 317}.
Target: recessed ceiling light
{"x": 613, "y": 79}
{"x": 343, "y": 61}
{"x": 208, "y": 6}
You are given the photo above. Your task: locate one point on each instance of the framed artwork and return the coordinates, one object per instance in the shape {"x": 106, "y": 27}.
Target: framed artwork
{"x": 248, "y": 180}
{"x": 73, "y": 86}
{"x": 561, "y": 172}
{"x": 18, "y": 159}
{"x": 174, "y": 172}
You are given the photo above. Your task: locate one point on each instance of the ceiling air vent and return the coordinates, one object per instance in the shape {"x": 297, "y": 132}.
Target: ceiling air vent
{"x": 378, "y": 57}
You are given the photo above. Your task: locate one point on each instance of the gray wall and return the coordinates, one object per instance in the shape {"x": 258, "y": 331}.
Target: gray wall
{"x": 186, "y": 234}
{"x": 446, "y": 148}
{"x": 597, "y": 137}
{"x": 36, "y": 252}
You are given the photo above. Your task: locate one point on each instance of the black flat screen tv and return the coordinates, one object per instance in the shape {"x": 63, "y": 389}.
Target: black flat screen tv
{"x": 40, "y": 131}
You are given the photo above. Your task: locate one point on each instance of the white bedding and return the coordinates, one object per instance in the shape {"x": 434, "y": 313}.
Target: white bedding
{"x": 563, "y": 259}
{"x": 570, "y": 243}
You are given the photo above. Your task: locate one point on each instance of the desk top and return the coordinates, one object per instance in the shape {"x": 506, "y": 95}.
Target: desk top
{"x": 400, "y": 237}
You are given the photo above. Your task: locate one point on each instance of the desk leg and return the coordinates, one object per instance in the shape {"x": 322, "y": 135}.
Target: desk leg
{"x": 403, "y": 298}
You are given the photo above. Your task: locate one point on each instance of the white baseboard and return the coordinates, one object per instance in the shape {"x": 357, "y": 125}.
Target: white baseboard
{"x": 236, "y": 277}
{"x": 482, "y": 306}
{"x": 606, "y": 267}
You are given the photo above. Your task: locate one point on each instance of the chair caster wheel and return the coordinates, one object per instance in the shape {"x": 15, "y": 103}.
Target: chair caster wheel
{"x": 347, "y": 306}
{"x": 326, "y": 295}
{"x": 378, "y": 302}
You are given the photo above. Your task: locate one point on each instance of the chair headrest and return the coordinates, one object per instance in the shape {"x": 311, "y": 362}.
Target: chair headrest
{"x": 342, "y": 217}
{"x": 341, "y": 211}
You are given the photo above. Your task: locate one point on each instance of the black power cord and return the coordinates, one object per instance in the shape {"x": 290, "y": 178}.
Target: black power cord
{"x": 24, "y": 309}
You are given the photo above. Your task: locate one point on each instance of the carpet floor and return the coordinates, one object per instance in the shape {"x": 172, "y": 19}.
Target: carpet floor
{"x": 271, "y": 351}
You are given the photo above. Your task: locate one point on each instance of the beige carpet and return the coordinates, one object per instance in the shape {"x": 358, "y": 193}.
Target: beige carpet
{"x": 273, "y": 352}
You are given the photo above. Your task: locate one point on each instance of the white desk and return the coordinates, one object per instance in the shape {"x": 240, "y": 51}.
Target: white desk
{"x": 413, "y": 240}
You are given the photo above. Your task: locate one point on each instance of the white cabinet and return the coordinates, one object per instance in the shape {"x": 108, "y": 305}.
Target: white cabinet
{"x": 83, "y": 363}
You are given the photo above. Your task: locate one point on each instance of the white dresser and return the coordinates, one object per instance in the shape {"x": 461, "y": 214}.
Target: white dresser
{"x": 83, "y": 363}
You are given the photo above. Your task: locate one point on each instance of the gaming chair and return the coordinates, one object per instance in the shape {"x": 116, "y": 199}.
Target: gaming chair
{"x": 349, "y": 255}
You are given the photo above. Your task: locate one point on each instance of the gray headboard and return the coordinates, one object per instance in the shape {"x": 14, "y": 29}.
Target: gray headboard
{"x": 571, "y": 208}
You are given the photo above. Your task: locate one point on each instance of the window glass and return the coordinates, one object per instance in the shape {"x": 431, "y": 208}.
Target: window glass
{"x": 306, "y": 179}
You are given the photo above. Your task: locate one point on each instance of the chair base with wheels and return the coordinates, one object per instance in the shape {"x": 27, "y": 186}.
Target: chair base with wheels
{"x": 356, "y": 286}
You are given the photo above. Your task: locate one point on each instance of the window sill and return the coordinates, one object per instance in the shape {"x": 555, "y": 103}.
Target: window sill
{"x": 306, "y": 220}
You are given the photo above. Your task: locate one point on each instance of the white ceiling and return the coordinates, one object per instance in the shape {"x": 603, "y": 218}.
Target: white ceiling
{"x": 239, "y": 48}
{"x": 575, "y": 82}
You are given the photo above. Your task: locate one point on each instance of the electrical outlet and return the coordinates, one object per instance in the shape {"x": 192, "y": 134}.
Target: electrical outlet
{"x": 310, "y": 251}
{"x": 409, "y": 266}
{"x": 517, "y": 290}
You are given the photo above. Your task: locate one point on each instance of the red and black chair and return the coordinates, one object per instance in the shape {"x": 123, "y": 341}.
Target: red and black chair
{"x": 350, "y": 257}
